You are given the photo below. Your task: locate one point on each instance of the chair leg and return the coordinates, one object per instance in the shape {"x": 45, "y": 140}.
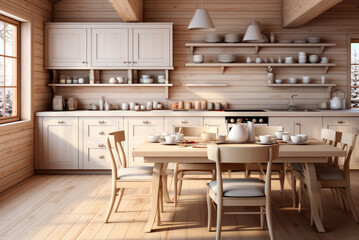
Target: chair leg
{"x": 261, "y": 208}
{"x": 269, "y": 218}
{"x": 350, "y": 203}
{"x": 122, "y": 190}
{"x": 209, "y": 207}
{"x": 281, "y": 179}
{"x": 294, "y": 190}
{"x": 175, "y": 182}
{"x": 112, "y": 202}
{"x": 247, "y": 174}
{"x": 180, "y": 183}
{"x": 219, "y": 221}
{"x": 343, "y": 196}
{"x": 300, "y": 196}
{"x": 340, "y": 198}
{"x": 159, "y": 205}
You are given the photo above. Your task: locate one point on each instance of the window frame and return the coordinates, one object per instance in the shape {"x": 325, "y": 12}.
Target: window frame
{"x": 18, "y": 72}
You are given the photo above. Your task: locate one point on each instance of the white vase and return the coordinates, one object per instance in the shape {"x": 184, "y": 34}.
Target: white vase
{"x": 238, "y": 134}
{"x": 250, "y": 131}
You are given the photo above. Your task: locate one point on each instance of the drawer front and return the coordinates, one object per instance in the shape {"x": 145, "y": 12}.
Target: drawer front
{"x": 172, "y": 123}
{"x": 97, "y": 158}
{"x": 100, "y": 131}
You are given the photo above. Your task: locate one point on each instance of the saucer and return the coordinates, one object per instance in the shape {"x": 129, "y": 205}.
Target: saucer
{"x": 165, "y": 143}
{"x": 269, "y": 143}
{"x": 154, "y": 141}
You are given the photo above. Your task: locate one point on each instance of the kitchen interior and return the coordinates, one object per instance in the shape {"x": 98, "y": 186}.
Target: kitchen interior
{"x": 92, "y": 67}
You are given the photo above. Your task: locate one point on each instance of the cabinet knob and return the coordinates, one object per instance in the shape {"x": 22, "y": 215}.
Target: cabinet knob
{"x": 184, "y": 121}
{"x": 101, "y": 133}
{"x": 101, "y": 122}
{"x": 61, "y": 122}
{"x": 146, "y": 122}
{"x": 298, "y": 124}
{"x": 134, "y": 62}
{"x": 125, "y": 62}
{"x": 101, "y": 157}
{"x": 84, "y": 62}
{"x": 340, "y": 122}
{"x": 101, "y": 145}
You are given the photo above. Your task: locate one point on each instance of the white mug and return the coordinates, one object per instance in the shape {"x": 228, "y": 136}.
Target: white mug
{"x": 265, "y": 138}
{"x": 170, "y": 139}
{"x": 124, "y": 106}
{"x": 221, "y": 137}
{"x": 296, "y": 139}
{"x": 285, "y": 137}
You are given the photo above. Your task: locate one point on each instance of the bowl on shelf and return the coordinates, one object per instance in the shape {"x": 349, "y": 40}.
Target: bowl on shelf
{"x": 212, "y": 38}
{"x": 147, "y": 80}
{"x": 226, "y": 58}
{"x": 198, "y": 58}
{"x": 120, "y": 79}
{"x": 232, "y": 38}
{"x": 313, "y": 39}
{"x": 278, "y": 81}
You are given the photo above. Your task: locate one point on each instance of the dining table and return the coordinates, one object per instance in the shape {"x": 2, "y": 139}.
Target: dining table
{"x": 315, "y": 151}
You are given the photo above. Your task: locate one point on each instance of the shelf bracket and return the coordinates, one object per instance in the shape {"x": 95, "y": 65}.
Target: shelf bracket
{"x": 166, "y": 93}
{"x": 326, "y": 69}
{"x": 322, "y": 49}
{"x": 256, "y": 49}
{"x": 329, "y": 91}
{"x": 192, "y": 50}
{"x": 222, "y": 69}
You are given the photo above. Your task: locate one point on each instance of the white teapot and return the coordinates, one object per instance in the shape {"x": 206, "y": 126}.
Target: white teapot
{"x": 238, "y": 134}
{"x": 336, "y": 102}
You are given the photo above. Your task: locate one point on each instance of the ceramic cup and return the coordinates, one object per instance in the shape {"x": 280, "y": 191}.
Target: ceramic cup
{"x": 292, "y": 80}
{"x": 265, "y": 138}
{"x": 305, "y": 80}
{"x": 207, "y": 136}
{"x": 278, "y": 134}
{"x": 313, "y": 58}
{"x": 170, "y": 139}
{"x": 285, "y": 138}
{"x": 221, "y": 138}
{"x": 198, "y": 58}
{"x": 153, "y": 137}
{"x": 132, "y": 105}
{"x": 304, "y": 137}
{"x": 296, "y": 139}
{"x": 179, "y": 136}
{"x": 124, "y": 106}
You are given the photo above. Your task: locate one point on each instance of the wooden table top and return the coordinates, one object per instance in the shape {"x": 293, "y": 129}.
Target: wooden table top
{"x": 314, "y": 149}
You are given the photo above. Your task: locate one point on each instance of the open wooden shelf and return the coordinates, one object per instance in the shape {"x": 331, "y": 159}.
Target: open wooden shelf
{"x": 257, "y": 46}
{"x": 205, "y": 85}
{"x": 299, "y": 85}
{"x": 110, "y": 85}
{"x": 222, "y": 66}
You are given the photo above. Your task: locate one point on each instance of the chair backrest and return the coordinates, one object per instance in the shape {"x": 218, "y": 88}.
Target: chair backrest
{"x": 116, "y": 152}
{"x": 347, "y": 143}
{"x": 266, "y": 130}
{"x": 196, "y": 131}
{"x": 330, "y": 136}
{"x": 242, "y": 154}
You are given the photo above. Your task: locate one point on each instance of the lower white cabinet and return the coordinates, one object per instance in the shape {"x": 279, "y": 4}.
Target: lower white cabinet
{"x": 171, "y": 123}
{"x": 60, "y": 143}
{"x": 299, "y": 125}
{"x": 218, "y": 122}
{"x": 138, "y": 128}
{"x": 349, "y": 125}
{"x": 93, "y": 131}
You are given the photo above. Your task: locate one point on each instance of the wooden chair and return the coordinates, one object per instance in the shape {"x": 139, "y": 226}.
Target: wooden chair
{"x": 185, "y": 168}
{"x": 278, "y": 168}
{"x": 122, "y": 176}
{"x": 328, "y": 136}
{"x": 241, "y": 192}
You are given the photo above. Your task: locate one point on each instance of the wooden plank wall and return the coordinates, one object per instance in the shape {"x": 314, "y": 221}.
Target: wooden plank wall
{"x": 17, "y": 146}
{"x": 246, "y": 85}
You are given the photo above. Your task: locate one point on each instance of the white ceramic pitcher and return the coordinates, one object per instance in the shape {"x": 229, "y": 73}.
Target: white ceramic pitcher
{"x": 238, "y": 134}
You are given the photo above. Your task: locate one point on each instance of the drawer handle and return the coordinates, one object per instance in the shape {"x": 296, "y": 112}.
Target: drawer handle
{"x": 61, "y": 122}
{"x": 298, "y": 124}
{"x": 340, "y": 122}
{"x": 146, "y": 122}
{"x": 83, "y": 62}
{"x": 184, "y": 122}
{"x": 101, "y": 122}
{"x": 134, "y": 62}
{"x": 101, "y": 157}
{"x": 101, "y": 133}
{"x": 101, "y": 145}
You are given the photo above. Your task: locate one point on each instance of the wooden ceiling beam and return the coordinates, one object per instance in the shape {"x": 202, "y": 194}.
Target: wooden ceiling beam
{"x": 296, "y": 13}
{"x": 129, "y": 10}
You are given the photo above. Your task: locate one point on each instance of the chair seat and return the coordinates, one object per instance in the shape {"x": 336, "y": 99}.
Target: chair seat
{"x": 240, "y": 187}
{"x": 135, "y": 173}
{"x": 298, "y": 167}
{"x": 330, "y": 173}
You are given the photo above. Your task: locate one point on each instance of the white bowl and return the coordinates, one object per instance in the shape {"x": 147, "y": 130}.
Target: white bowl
{"x": 212, "y": 38}
{"x": 232, "y": 38}
{"x": 120, "y": 79}
{"x": 226, "y": 58}
{"x": 304, "y": 137}
{"x": 292, "y": 80}
{"x": 161, "y": 80}
{"x": 198, "y": 58}
{"x": 296, "y": 139}
{"x": 154, "y": 137}
{"x": 305, "y": 80}
{"x": 313, "y": 39}
{"x": 265, "y": 138}
{"x": 147, "y": 80}
{"x": 278, "y": 81}
{"x": 146, "y": 76}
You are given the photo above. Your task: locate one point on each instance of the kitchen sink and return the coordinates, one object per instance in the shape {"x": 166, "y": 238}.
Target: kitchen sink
{"x": 297, "y": 110}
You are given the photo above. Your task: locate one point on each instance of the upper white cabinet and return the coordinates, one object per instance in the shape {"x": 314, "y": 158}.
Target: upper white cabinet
{"x": 67, "y": 47}
{"x": 151, "y": 47}
{"x": 108, "y": 45}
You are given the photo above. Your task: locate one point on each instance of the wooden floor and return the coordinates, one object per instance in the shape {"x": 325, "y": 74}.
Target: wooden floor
{"x": 73, "y": 207}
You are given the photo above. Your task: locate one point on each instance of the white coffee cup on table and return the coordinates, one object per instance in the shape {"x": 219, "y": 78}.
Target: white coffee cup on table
{"x": 153, "y": 137}
{"x": 170, "y": 139}
{"x": 296, "y": 139}
{"x": 304, "y": 137}
{"x": 285, "y": 137}
{"x": 278, "y": 134}
{"x": 265, "y": 138}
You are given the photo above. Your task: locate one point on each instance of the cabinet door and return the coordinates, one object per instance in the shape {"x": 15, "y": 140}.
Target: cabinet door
{"x": 349, "y": 125}
{"x": 309, "y": 125}
{"x": 171, "y": 123}
{"x": 218, "y": 122}
{"x": 151, "y": 48}
{"x": 286, "y": 122}
{"x": 60, "y": 143}
{"x": 66, "y": 47}
{"x": 138, "y": 130}
{"x": 110, "y": 47}
{"x": 94, "y": 151}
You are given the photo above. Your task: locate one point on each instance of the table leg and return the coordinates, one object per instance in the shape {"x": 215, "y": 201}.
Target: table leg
{"x": 156, "y": 178}
{"x": 165, "y": 193}
{"x": 314, "y": 195}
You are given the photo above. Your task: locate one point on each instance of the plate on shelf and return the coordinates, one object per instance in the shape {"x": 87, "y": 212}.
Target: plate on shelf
{"x": 285, "y": 41}
{"x": 300, "y": 41}
{"x": 269, "y": 143}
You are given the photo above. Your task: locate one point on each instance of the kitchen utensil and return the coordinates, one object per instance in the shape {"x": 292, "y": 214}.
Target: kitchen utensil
{"x": 58, "y": 103}
{"x": 285, "y": 138}
{"x": 198, "y": 58}
{"x": 232, "y": 38}
{"x": 159, "y": 106}
{"x": 296, "y": 139}
{"x": 265, "y": 138}
{"x": 226, "y": 58}
{"x": 136, "y": 108}
{"x": 146, "y": 76}
{"x": 221, "y": 138}
{"x": 81, "y": 80}
{"x": 313, "y": 58}
{"x": 250, "y": 131}
{"x": 142, "y": 107}
{"x": 336, "y": 102}
{"x": 75, "y": 81}
{"x": 179, "y": 137}
{"x": 238, "y": 134}
{"x": 112, "y": 80}
{"x": 218, "y": 106}
{"x": 249, "y": 60}
{"x": 208, "y": 136}
{"x": 124, "y": 106}
{"x": 197, "y": 105}
{"x": 305, "y": 80}
{"x": 170, "y": 139}
{"x": 323, "y": 79}
{"x": 188, "y": 105}
{"x": 132, "y": 105}
{"x": 71, "y": 104}
{"x": 210, "y": 106}
{"x": 292, "y": 80}
{"x": 180, "y": 104}
{"x": 304, "y": 137}
{"x": 279, "y": 134}
{"x": 161, "y": 80}
{"x": 324, "y": 60}
{"x": 289, "y": 60}
{"x": 68, "y": 80}
{"x": 272, "y": 38}
{"x": 101, "y": 103}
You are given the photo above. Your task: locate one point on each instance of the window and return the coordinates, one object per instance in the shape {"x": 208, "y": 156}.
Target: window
{"x": 9, "y": 70}
{"x": 354, "y": 73}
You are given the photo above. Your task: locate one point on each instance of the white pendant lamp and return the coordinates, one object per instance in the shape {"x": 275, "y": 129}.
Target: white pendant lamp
{"x": 201, "y": 20}
{"x": 253, "y": 34}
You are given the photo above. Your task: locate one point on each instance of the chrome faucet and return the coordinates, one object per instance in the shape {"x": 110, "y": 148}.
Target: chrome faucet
{"x": 291, "y": 105}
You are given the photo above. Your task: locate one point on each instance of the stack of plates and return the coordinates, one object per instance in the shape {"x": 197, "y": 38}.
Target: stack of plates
{"x": 232, "y": 38}
{"x": 226, "y": 58}
{"x": 313, "y": 39}
{"x": 212, "y": 38}
{"x": 285, "y": 41}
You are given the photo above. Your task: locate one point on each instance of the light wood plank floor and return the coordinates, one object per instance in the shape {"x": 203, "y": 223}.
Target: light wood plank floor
{"x": 73, "y": 207}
